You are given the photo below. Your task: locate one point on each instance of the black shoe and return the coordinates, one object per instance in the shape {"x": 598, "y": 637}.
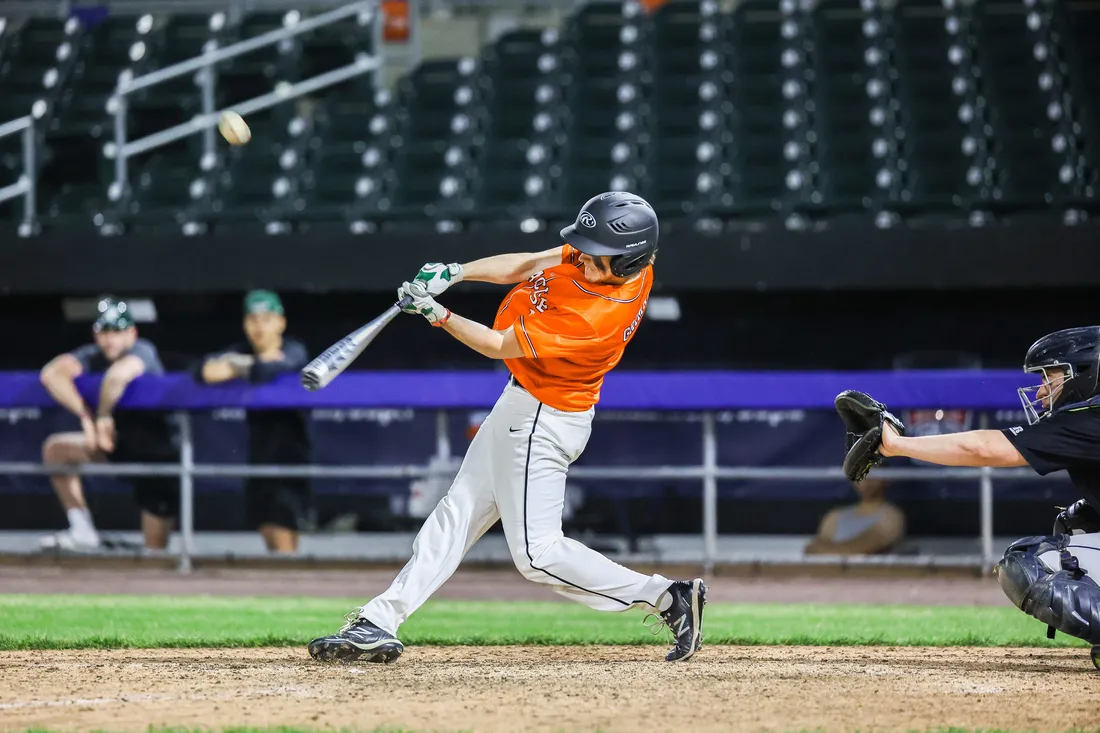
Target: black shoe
{"x": 359, "y": 640}
{"x": 684, "y": 618}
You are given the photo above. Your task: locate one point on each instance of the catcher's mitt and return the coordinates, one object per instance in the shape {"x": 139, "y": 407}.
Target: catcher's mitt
{"x": 863, "y": 420}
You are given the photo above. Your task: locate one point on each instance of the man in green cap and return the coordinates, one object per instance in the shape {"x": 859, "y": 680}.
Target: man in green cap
{"x": 276, "y": 506}
{"x": 131, "y": 436}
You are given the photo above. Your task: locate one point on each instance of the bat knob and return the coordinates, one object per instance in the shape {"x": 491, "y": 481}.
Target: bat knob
{"x": 311, "y": 380}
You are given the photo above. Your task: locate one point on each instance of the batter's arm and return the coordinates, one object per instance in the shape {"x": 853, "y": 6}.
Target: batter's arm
{"x": 971, "y": 448}
{"x": 508, "y": 269}
{"x": 482, "y": 339}
{"x": 57, "y": 377}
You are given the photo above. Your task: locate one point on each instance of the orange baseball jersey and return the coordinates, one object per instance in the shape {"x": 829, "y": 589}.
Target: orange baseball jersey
{"x": 572, "y": 332}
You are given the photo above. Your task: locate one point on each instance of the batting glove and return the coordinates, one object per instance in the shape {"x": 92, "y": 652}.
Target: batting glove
{"x": 437, "y": 277}
{"x": 423, "y": 303}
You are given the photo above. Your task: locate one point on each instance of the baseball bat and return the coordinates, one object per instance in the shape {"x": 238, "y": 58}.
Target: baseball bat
{"x": 338, "y": 357}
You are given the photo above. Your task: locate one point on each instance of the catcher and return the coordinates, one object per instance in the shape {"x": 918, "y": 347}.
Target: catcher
{"x": 1053, "y": 578}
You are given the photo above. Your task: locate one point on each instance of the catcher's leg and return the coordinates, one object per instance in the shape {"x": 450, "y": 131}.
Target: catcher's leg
{"x": 1054, "y": 579}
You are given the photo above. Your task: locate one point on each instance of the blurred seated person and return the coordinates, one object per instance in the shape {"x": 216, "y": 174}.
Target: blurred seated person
{"x": 278, "y": 507}
{"x": 131, "y": 436}
{"x": 869, "y": 527}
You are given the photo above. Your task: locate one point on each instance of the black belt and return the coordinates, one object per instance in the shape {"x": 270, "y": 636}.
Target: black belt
{"x": 515, "y": 382}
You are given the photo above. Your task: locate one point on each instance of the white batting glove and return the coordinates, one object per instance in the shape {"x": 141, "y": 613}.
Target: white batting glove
{"x": 438, "y": 277}
{"x": 423, "y": 303}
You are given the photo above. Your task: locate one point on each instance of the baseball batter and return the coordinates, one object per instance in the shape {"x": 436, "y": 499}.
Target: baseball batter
{"x": 559, "y": 332}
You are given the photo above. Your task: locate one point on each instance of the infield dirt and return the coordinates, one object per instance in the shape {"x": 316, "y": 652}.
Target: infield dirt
{"x": 589, "y": 688}
{"x": 555, "y": 689}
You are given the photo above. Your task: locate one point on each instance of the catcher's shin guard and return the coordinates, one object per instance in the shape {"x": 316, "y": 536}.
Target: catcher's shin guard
{"x": 1066, "y": 600}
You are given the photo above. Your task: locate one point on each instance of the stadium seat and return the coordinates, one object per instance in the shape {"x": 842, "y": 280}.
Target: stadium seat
{"x": 945, "y": 139}
{"x": 519, "y": 169}
{"x": 609, "y": 60}
{"x": 1077, "y": 25}
{"x": 907, "y": 110}
{"x": 686, "y": 158}
{"x": 438, "y": 126}
{"x": 1025, "y": 119}
{"x": 853, "y": 107}
{"x": 755, "y": 183}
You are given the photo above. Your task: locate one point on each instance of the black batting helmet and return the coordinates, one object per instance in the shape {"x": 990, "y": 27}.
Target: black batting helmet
{"x": 617, "y": 224}
{"x": 1075, "y": 351}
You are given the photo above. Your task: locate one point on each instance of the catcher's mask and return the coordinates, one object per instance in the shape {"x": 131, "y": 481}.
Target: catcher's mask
{"x": 1069, "y": 363}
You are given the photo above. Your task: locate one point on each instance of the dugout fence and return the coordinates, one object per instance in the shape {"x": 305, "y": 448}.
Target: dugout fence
{"x": 705, "y": 394}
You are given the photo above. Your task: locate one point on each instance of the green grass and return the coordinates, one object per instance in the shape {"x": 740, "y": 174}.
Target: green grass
{"x": 95, "y": 622}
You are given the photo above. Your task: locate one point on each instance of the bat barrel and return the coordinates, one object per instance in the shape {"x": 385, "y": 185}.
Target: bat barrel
{"x": 326, "y": 367}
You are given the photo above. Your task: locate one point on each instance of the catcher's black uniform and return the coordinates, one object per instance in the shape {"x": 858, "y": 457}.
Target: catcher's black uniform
{"x": 1067, "y": 439}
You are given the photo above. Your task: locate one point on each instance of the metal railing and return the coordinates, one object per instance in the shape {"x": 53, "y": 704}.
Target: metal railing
{"x": 27, "y": 183}
{"x": 62, "y": 8}
{"x": 208, "y": 120}
{"x": 708, "y": 472}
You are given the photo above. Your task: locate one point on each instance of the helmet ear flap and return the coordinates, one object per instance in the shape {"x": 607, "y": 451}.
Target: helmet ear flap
{"x": 627, "y": 265}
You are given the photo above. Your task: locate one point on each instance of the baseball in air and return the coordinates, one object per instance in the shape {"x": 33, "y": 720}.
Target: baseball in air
{"x": 234, "y": 129}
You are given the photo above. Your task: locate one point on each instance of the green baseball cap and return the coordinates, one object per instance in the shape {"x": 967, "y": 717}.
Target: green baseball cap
{"x": 114, "y": 315}
{"x": 262, "y": 301}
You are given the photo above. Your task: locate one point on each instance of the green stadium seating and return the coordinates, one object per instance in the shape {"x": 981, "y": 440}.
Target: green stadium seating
{"x": 806, "y": 112}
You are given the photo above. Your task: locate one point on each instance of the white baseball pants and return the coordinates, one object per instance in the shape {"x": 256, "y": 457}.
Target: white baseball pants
{"x": 1084, "y": 547}
{"x": 515, "y": 471}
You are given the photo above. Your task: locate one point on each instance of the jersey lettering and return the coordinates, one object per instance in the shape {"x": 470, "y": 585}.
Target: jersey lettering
{"x": 539, "y": 289}
{"x": 636, "y": 322}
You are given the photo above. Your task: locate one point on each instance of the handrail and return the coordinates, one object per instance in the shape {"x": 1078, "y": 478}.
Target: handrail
{"x": 27, "y": 184}
{"x": 598, "y": 473}
{"x": 16, "y": 125}
{"x": 359, "y": 67}
{"x": 208, "y": 119}
{"x": 242, "y": 47}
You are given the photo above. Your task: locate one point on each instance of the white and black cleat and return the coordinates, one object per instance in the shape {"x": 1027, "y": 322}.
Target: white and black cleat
{"x": 358, "y": 641}
{"x": 685, "y": 618}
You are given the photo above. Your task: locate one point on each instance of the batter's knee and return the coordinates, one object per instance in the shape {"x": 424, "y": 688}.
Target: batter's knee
{"x": 531, "y": 562}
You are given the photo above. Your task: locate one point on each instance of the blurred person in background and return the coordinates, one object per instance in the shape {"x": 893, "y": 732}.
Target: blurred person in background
{"x": 277, "y": 507}
{"x": 871, "y": 526}
{"x": 129, "y": 437}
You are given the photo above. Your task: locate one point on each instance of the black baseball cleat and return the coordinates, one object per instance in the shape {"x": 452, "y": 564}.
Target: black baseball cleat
{"x": 358, "y": 641}
{"x": 684, "y": 618}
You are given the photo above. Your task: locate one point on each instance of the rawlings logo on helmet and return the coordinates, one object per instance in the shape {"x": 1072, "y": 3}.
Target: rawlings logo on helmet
{"x": 586, "y": 219}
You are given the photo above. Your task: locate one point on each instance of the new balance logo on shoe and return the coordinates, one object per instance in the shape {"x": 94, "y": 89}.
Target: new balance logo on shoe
{"x": 683, "y": 625}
